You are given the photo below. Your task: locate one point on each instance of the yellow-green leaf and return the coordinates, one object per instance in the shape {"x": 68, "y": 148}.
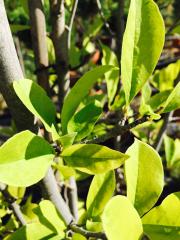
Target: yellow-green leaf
{"x": 144, "y": 176}
{"x": 163, "y": 222}
{"x": 24, "y": 159}
{"x": 121, "y": 221}
{"x": 141, "y": 49}
{"x": 93, "y": 158}
{"x": 173, "y": 101}
{"x": 78, "y": 92}
{"x": 37, "y": 101}
{"x": 101, "y": 190}
{"x": 112, "y": 77}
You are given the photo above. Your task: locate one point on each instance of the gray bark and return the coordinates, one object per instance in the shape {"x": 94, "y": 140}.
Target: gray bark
{"x": 10, "y": 70}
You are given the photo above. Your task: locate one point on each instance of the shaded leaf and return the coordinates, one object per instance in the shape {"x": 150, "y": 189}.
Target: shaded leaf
{"x": 101, "y": 190}
{"x": 83, "y": 121}
{"x": 93, "y": 158}
{"x": 32, "y": 231}
{"x": 78, "y": 92}
{"x": 157, "y": 101}
{"x": 68, "y": 139}
{"x": 50, "y": 218}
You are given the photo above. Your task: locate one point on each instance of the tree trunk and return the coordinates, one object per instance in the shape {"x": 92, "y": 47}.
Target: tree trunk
{"x": 10, "y": 70}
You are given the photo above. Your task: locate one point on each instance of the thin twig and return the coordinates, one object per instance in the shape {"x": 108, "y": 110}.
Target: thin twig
{"x": 120, "y": 28}
{"x": 73, "y": 13}
{"x": 103, "y": 18}
{"x": 162, "y": 131}
{"x": 87, "y": 234}
{"x": 174, "y": 25}
{"x": 117, "y": 130}
{"x": 12, "y": 204}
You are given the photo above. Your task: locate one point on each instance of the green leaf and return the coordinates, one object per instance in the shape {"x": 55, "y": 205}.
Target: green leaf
{"x": 101, "y": 190}
{"x": 49, "y": 217}
{"x": 93, "y": 158}
{"x": 24, "y": 159}
{"x": 172, "y": 151}
{"x": 15, "y": 28}
{"x": 173, "y": 101}
{"x": 77, "y": 236}
{"x": 51, "y": 52}
{"x": 144, "y": 26}
{"x": 78, "y": 92}
{"x": 24, "y": 4}
{"x": 120, "y": 220}
{"x": 119, "y": 101}
{"x": 163, "y": 222}
{"x": 112, "y": 77}
{"x": 157, "y": 101}
{"x": 164, "y": 79}
{"x": 146, "y": 92}
{"x": 169, "y": 149}
{"x": 33, "y": 231}
{"x": 83, "y": 121}
{"x": 68, "y": 139}
{"x": 94, "y": 226}
{"x": 37, "y": 101}
{"x": 16, "y": 192}
{"x": 144, "y": 176}
{"x": 145, "y": 108}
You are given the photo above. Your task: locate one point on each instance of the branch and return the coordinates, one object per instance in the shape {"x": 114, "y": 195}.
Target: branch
{"x": 38, "y": 35}
{"x": 117, "y": 130}
{"x": 73, "y": 197}
{"x": 120, "y": 27}
{"x": 174, "y": 25}
{"x": 55, "y": 196}
{"x": 87, "y": 234}
{"x": 10, "y": 70}
{"x": 59, "y": 38}
{"x": 162, "y": 131}
{"x": 103, "y": 17}
{"x": 73, "y": 13}
{"x": 12, "y": 204}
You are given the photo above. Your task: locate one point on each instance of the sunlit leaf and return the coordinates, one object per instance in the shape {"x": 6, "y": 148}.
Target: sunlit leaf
{"x": 24, "y": 159}
{"x": 101, "y": 190}
{"x": 93, "y": 158}
{"x": 144, "y": 26}
{"x": 164, "y": 79}
{"x": 37, "y": 101}
{"x": 120, "y": 220}
{"x": 144, "y": 176}
{"x": 112, "y": 77}
{"x": 49, "y": 217}
{"x": 173, "y": 101}
{"x": 163, "y": 222}
{"x": 78, "y": 92}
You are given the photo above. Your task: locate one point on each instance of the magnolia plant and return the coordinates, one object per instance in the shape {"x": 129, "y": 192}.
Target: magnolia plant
{"x": 72, "y": 140}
